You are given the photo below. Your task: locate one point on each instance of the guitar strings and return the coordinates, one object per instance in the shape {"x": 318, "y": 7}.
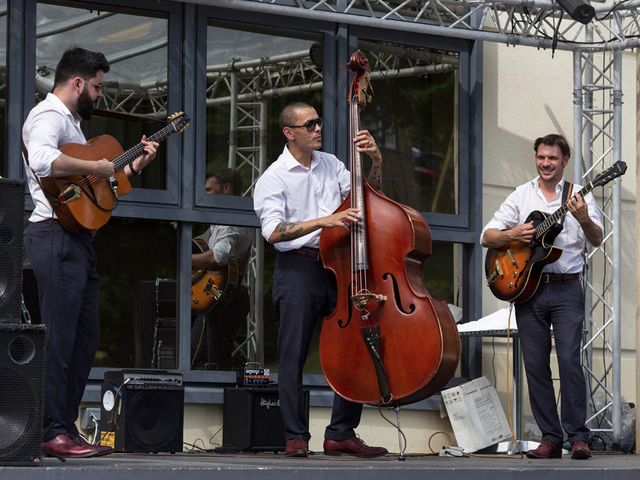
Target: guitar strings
{"x": 130, "y": 155}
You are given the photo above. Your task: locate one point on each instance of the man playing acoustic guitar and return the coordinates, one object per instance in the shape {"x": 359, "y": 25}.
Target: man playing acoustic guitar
{"x": 64, "y": 263}
{"x": 558, "y": 300}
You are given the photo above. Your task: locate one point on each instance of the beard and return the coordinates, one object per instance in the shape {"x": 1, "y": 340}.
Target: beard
{"x": 85, "y": 105}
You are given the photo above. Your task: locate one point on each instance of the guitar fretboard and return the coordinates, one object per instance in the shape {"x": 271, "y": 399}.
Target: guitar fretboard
{"x": 549, "y": 221}
{"x": 134, "y": 152}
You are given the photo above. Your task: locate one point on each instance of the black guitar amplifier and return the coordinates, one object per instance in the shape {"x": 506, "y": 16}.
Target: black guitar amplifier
{"x": 142, "y": 411}
{"x": 251, "y": 420}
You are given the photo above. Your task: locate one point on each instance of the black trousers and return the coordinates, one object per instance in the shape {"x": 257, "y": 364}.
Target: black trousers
{"x": 64, "y": 265}
{"x": 304, "y": 292}
{"x": 560, "y": 305}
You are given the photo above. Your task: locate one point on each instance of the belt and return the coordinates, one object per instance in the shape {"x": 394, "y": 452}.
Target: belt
{"x": 307, "y": 252}
{"x": 49, "y": 221}
{"x": 559, "y": 277}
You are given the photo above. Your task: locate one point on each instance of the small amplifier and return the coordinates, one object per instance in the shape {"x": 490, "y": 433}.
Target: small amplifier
{"x": 252, "y": 374}
{"x": 251, "y": 420}
{"x": 142, "y": 411}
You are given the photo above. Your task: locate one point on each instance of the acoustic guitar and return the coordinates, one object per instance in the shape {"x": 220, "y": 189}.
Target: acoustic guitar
{"x": 212, "y": 289}
{"x": 85, "y": 202}
{"x": 513, "y": 272}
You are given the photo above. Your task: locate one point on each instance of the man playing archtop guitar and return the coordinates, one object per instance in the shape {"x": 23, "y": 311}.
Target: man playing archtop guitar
{"x": 557, "y": 298}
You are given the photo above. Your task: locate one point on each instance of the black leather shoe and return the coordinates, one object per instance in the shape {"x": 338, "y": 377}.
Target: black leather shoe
{"x": 352, "y": 446}
{"x": 64, "y": 446}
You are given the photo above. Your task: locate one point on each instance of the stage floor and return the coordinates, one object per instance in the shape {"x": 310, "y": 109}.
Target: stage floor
{"x": 269, "y": 466}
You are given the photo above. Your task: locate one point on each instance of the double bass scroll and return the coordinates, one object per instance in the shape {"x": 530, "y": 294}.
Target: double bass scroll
{"x": 387, "y": 342}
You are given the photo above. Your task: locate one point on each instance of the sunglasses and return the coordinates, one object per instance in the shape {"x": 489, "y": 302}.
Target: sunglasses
{"x": 310, "y": 125}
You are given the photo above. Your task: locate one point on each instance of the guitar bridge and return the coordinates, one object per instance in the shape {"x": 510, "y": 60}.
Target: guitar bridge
{"x": 496, "y": 273}
{"x": 212, "y": 290}
{"x": 69, "y": 194}
{"x": 512, "y": 258}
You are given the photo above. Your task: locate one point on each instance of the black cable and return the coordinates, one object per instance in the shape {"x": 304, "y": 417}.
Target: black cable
{"x": 612, "y": 9}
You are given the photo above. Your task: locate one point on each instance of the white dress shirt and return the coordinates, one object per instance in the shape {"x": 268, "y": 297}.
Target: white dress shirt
{"x": 290, "y": 192}
{"x": 49, "y": 126}
{"x": 527, "y": 198}
{"x": 227, "y": 241}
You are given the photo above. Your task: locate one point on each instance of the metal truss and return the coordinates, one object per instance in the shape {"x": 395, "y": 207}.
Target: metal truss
{"x": 538, "y": 23}
{"x": 597, "y": 114}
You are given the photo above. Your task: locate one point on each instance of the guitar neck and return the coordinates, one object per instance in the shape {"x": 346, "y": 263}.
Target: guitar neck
{"x": 543, "y": 227}
{"x": 134, "y": 152}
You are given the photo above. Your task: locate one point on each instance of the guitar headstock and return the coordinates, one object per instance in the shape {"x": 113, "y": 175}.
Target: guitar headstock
{"x": 614, "y": 171}
{"x": 179, "y": 121}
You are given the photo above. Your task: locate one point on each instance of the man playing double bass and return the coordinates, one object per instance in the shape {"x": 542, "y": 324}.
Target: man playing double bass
{"x": 558, "y": 301}
{"x": 64, "y": 263}
{"x": 294, "y": 199}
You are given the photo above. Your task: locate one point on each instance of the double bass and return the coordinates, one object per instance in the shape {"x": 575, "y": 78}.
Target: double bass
{"x": 387, "y": 342}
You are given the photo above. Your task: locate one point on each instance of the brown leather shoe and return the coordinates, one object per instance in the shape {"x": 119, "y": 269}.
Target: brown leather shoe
{"x": 352, "y": 446}
{"x": 100, "y": 449}
{"x": 64, "y": 446}
{"x": 580, "y": 450}
{"x": 547, "y": 449}
{"x": 296, "y": 447}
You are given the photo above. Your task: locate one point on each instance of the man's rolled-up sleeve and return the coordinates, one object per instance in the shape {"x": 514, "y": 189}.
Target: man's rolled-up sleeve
{"x": 42, "y": 144}
{"x": 269, "y": 205}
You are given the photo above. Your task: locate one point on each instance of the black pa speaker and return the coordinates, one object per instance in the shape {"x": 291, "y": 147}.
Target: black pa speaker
{"x": 11, "y": 248}
{"x": 251, "y": 419}
{"x": 21, "y": 392}
{"x": 142, "y": 411}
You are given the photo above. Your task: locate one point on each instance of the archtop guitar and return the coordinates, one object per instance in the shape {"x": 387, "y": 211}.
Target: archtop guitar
{"x": 513, "y": 272}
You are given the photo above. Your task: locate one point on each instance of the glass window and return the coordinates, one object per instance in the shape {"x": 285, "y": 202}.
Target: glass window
{"x": 135, "y": 88}
{"x": 136, "y": 258}
{"x": 413, "y": 118}
{"x": 222, "y": 325}
{"x": 137, "y": 268}
{"x": 251, "y": 76}
{"x": 3, "y": 84}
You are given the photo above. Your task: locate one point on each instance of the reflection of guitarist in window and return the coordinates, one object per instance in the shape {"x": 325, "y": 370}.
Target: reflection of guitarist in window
{"x": 218, "y": 293}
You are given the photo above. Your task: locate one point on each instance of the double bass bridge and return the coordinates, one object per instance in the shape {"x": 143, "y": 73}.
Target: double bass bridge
{"x": 362, "y": 299}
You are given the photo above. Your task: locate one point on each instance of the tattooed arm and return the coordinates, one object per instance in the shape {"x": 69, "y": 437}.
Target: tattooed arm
{"x": 375, "y": 176}
{"x": 366, "y": 144}
{"x": 286, "y": 231}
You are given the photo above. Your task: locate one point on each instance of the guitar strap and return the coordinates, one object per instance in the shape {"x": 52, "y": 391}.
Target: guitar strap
{"x": 567, "y": 192}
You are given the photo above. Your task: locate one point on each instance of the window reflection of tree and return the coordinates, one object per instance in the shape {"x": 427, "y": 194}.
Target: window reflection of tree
{"x": 413, "y": 117}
